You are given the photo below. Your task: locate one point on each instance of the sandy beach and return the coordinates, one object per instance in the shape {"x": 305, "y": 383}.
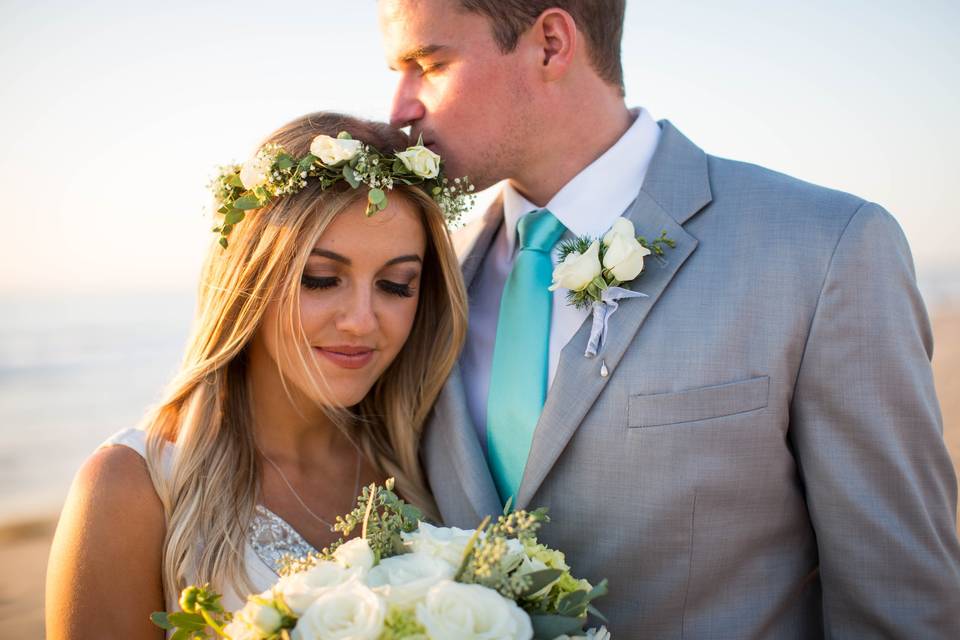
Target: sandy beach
{"x": 24, "y": 545}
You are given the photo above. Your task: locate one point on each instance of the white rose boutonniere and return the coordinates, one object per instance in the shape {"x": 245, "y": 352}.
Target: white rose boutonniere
{"x": 334, "y": 151}
{"x": 421, "y": 161}
{"x": 578, "y": 270}
{"x": 624, "y": 255}
{"x": 593, "y": 270}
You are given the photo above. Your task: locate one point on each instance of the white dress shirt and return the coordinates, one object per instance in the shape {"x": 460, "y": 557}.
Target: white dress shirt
{"x": 587, "y": 206}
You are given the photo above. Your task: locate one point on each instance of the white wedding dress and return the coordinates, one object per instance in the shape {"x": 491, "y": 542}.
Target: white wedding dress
{"x": 270, "y": 538}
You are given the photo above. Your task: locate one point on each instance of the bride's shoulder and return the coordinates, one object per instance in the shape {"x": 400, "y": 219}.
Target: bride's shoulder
{"x": 115, "y": 478}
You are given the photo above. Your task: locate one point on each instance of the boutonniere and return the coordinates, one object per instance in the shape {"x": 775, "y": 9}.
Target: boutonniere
{"x": 592, "y": 271}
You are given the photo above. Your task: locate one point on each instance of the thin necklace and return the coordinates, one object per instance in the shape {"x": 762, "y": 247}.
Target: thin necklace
{"x": 356, "y": 485}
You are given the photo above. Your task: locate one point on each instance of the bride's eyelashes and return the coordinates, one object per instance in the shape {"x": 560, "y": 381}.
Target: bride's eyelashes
{"x": 314, "y": 282}
{"x": 395, "y": 288}
{"x": 327, "y": 282}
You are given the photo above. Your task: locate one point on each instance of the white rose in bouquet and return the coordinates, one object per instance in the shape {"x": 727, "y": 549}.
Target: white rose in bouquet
{"x": 454, "y": 611}
{"x": 334, "y": 151}
{"x": 355, "y": 554}
{"x": 624, "y": 254}
{"x": 300, "y": 590}
{"x": 350, "y": 612}
{"x": 577, "y": 269}
{"x": 421, "y": 161}
{"x": 258, "y": 619}
{"x": 447, "y": 543}
{"x": 404, "y": 580}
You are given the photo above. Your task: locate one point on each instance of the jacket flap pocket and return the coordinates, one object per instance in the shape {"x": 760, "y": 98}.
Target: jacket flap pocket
{"x": 699, "y": 404}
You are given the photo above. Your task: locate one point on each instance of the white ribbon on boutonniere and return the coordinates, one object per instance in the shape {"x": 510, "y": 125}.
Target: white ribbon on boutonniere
{"x": 602, "y": 310}
{"x": 593, "y": 270}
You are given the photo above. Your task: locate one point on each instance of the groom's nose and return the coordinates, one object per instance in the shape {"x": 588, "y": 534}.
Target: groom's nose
{"x": 407, "y": 108}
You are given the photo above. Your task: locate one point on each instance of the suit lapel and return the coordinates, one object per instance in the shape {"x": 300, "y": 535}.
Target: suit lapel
{"x": 676, "y": 188}
{"x": 452, "y": 453}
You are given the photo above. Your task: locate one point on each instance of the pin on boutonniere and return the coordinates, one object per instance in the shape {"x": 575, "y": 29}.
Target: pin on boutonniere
{"x": 592, "y": 271}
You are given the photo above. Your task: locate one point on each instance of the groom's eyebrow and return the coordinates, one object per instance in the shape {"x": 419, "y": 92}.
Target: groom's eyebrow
{"x": 420, "y": 52}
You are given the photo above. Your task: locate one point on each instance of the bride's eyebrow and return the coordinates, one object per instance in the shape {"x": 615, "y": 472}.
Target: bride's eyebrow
{"x": 401, "y": 259}
{"x": 323, "y": 253}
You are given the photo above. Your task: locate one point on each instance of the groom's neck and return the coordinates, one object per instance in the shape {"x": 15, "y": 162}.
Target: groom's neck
{"x": 574, "y": 133}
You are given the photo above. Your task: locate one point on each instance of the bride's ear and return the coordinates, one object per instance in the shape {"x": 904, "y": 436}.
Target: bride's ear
{"x": 557, "y": 40}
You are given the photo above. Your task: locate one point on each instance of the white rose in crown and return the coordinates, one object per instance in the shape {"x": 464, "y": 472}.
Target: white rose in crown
{"x": 300, "y": 590}
{"x": 351, "y": 611}
{"x": 404, "y": 580}
{"x": 624, "y": 254}
{"x": 334, "y": 151}
{"x": 578, "y": 269}
{"x": 455, "y": 611}
{"x": 256, "y": 171}
{"x": 421, "y": 161}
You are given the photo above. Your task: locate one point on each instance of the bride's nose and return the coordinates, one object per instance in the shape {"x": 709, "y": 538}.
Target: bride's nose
{"x": 358, "y": 317}
{"x": 406, "y": 108}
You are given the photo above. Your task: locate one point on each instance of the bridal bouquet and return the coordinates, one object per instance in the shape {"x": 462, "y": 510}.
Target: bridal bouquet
{"x": 403, "y": 579}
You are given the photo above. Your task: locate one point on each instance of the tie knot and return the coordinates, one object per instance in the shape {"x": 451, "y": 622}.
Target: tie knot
{"x": 539, "y": 230}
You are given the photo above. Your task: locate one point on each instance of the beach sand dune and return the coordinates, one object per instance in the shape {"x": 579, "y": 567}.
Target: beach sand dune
{"x": 24, "y": 546}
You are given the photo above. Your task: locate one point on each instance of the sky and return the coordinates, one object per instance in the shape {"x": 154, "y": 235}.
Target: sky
{"x": 114, "y": 115}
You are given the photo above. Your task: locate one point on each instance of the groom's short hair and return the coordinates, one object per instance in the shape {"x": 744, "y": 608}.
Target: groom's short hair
{"x": 600, "y": 20}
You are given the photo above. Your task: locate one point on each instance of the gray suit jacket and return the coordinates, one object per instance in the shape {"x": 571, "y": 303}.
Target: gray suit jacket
{"x": 765, "y": 459}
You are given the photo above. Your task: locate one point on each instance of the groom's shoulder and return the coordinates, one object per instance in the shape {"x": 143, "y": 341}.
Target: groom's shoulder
{"x": 770, "y": 200}
{"x": 755, "y": 185}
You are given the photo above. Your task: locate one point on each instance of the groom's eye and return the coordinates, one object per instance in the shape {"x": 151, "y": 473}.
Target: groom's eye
{"x": 314, "y": 282}
{"x": 430, "y": 68}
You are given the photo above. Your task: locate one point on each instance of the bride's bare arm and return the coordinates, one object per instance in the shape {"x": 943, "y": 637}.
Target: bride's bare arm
{"x": 104, "y": 577}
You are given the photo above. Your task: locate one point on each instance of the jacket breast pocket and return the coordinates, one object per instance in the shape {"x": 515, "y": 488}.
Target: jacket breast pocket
{"x": 703, "y": 403}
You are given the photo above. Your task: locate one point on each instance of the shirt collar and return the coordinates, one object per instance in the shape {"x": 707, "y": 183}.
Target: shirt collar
{"x": 598, "y": 195}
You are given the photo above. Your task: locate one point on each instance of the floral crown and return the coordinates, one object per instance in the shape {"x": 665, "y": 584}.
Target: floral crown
{"x": 273, "y": 173}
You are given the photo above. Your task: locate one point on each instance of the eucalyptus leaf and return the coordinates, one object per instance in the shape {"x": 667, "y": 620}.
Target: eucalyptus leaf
{"x": 223, "y": 242}
{"x": 183, "y": 620}
{"x": 377, "y": 196}
{"x": 234, "y": 181}
{"x": 350, "y": 176}
{"x": 247, "y": 202}
{"x": 159, "y": 618}
{"x": 541, "y": 579}
{"x": 574, "y": 603}
{"x": 234, "y": 217}
{"x": 548, "y": 627}
{"x": 284, "y": 162}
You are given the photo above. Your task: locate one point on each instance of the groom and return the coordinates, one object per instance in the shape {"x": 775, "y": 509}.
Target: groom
{"x": 756, "y": 450}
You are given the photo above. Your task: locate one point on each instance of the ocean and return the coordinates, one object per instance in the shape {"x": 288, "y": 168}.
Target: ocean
{"x": 73, "y": 370}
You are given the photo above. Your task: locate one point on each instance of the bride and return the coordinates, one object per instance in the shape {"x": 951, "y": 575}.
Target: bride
{"x": 322, "y": 337}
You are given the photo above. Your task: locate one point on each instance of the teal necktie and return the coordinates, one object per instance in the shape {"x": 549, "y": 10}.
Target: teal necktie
{"x": 518, "y": 378}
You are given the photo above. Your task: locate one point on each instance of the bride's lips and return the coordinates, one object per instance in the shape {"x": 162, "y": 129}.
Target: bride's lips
{"x": 346, "y": 356}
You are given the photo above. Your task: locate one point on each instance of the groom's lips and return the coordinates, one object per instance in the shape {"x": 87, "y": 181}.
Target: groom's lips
{"x": 346, "y": 356}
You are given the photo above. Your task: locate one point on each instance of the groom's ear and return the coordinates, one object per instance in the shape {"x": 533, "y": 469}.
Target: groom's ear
{"x": 555, "y": 34}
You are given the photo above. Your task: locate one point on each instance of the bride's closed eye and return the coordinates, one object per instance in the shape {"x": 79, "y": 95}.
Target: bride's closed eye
{"x": 327, "y": 282}
{"x": 318, "y": 282}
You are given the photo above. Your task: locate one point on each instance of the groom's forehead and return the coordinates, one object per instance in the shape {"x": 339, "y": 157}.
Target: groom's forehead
{"x": 412, "y": 27}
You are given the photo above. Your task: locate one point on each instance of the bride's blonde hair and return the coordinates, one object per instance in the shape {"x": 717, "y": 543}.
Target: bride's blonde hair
{"x": 209, "y": 488}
